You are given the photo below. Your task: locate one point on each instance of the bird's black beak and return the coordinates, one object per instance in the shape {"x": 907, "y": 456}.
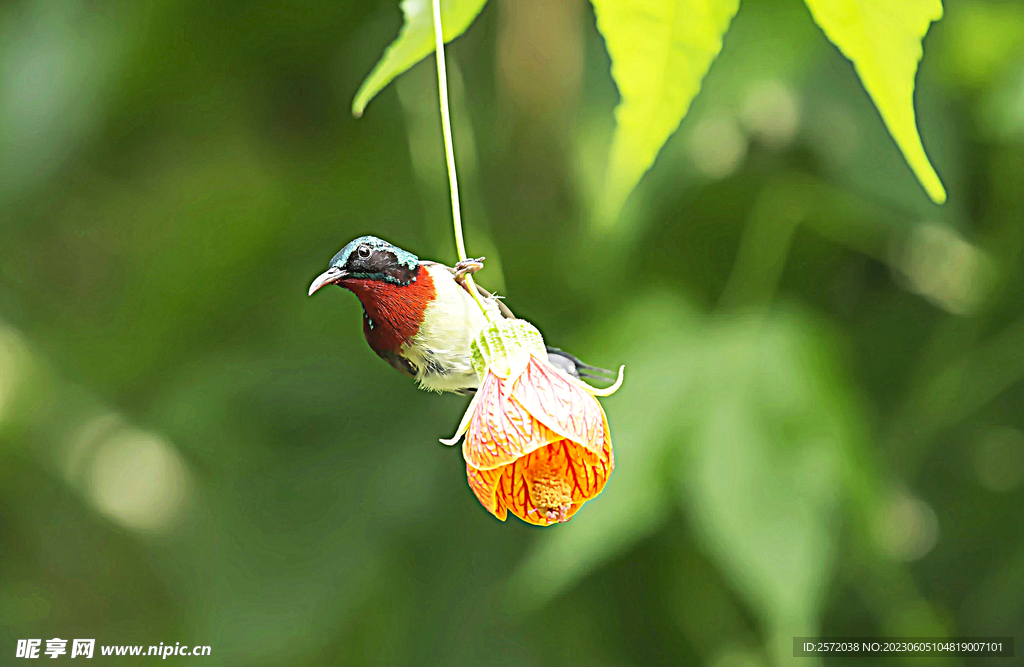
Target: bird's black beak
{"x": 331, "y": 276}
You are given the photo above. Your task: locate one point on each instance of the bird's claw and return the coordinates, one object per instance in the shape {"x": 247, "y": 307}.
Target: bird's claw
{"x": 467, "y": 267}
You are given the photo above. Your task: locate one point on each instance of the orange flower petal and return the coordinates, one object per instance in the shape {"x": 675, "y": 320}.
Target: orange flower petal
{"x": 484, "y": 484}
{"x": 546, "y": 486}
{"x": 501, "y": 430}
{"x": 561, "y": 405}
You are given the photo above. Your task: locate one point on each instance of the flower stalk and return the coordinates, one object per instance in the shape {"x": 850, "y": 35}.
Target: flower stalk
{"x": 537, "y": 442}
{"x": 449, "y": 152}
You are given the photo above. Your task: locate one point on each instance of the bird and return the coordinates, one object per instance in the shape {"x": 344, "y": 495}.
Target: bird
{"x": 419, "y": 316}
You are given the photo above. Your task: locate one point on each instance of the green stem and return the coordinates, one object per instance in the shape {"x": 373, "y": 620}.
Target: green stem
{"x": 449, "y": 151}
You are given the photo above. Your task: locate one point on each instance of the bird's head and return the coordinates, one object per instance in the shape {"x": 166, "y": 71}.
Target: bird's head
{"x": 369, "y": 258}
{"x": 394, "y": 291}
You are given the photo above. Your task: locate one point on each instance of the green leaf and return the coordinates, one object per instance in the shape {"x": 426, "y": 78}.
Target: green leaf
{"x": 660, "y": 52}
{"x": 415, "y": 42}
{"x": 883, "y": 39}
{"x": 770, "y": 436}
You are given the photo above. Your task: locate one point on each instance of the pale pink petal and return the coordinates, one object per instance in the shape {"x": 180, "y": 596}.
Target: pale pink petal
{"x": 501, "y": 430}
{"x": 561, "y": 405}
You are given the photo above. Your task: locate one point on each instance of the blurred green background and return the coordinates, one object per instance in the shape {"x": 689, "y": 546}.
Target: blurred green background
{"x": 820, "y": 431}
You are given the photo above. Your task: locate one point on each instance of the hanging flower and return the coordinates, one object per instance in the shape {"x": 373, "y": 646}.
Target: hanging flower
{"x": 537, "y": 440}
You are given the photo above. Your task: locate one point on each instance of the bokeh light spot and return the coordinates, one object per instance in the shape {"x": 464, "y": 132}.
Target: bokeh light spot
{"x": 138, "y": 480}
{"x": 717, "y": 146}
{"x": 907, "y": 528}
{"x": 771, "y": 112}
{"x": 946, "y": 269}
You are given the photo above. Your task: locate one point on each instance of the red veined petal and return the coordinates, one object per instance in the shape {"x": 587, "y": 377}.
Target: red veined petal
{"x": 547, "y": 485}
{"x": 484, "y": 484}
{"x": 561, "y": 405}
{"x": 501, "y": 430}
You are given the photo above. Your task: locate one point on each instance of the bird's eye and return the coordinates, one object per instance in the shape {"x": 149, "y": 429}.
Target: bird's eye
{"x": 363, "y": 251}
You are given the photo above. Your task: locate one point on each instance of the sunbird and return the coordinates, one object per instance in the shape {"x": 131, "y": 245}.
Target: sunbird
{"x": 419, "y": 315}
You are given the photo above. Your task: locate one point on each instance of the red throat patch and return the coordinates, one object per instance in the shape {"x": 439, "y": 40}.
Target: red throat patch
{"x": 393, "y": 312}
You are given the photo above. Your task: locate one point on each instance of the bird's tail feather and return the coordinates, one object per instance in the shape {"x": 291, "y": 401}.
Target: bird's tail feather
{"x": 575, "y": 367}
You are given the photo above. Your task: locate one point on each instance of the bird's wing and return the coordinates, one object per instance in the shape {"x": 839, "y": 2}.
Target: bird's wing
{"x": 399, "y": 363}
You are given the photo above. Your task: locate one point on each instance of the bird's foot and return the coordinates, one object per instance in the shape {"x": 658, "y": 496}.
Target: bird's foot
{"x": 467, "y": 267}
